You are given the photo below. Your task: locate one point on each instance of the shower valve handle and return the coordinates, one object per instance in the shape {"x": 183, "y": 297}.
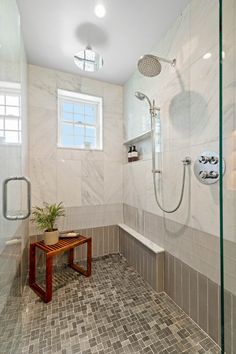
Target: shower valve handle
{"x": 204, "y": 159}
{"x": 211, "y": 174}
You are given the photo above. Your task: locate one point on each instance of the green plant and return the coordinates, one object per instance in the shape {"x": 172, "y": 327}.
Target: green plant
{"x": 45, "y": 217}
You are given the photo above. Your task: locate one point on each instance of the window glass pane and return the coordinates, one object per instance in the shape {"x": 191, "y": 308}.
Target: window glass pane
{"x": 12, "y": 111}
{"x": 67, "y": 116}
{"x": 79, "y": 125}
{"x": 2, "y": 110}
{"x": 1, "y": 134}
{"x": 78, "y": 118}
{"x": 67, "y": 129}
{"x": 2, "y": 99}
{"x": 68, "y": 107}
{"x": 90, "y": 131}
{"x": 90, "y": 120}
{"x": 79, "y": 108}
{"x": 1, "y": 123}
{"x": 11, "y": 137}
{"x": 79, "y": 141}
{"x": 12, "y": 101}
{"x": 11, "y": 124}
{"x": 90, "y": 109}
{"x": 89, "y": 142}
{"x": 67, "y": 141}
{"x": 79, "y": 130}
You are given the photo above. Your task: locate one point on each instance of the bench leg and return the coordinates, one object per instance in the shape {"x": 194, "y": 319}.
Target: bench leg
{"x": 32, "y": 265}
{"x": 46, "y": 296}
{"x": 78, "y": 268}
{"x": 48, "y": 278}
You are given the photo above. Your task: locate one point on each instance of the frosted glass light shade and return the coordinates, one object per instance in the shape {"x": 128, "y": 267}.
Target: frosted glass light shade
{"x": 88, "y": 60}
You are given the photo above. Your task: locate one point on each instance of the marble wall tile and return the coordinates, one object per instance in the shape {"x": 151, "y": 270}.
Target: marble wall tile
{"x": 43, "y": 125}
{"x": 92, "y": 182}
{"x": 85, "y": 178}
{"x": 42, "y": 87}
{"x": 200, "y": 43}
{"x": 69, "y": 193}
{"x": 43, "y": 175}
{"x": 188, "y": 98}
{"x": 113, "y": 180}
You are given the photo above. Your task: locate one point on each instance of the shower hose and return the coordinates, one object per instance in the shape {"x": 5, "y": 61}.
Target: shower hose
{"x": 186, "y": 162}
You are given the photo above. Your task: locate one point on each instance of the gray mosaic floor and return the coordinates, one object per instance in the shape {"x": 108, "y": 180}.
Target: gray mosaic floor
{"x": 113, "y": 311}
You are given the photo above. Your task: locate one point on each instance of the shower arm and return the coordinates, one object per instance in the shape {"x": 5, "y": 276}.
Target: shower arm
{"x": 172, "y": 62}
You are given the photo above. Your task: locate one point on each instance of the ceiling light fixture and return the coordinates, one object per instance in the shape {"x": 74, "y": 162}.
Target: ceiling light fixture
{"x": 88, "y": 60}
{"x": 100, "y": 10}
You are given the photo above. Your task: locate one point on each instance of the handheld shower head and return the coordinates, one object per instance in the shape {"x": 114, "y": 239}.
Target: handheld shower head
{"x": 149, "y": 65}
{"x": 141, "y": 96}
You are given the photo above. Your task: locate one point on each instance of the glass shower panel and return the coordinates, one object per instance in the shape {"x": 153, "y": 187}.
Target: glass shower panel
{"x": 13, "y": 233}
{"x": 229, "y": 180}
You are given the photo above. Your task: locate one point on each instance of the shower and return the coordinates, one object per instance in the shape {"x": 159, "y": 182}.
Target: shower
{"x": 149, "y": 65}
{"x": 153, "y": 109}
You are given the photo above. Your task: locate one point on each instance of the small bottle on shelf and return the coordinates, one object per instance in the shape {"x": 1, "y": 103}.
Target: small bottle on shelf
{"x": 130, "y": 154}
{"x": 134, "y": 153}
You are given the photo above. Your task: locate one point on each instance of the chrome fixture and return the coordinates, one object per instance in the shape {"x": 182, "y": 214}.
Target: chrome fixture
{"x": 149, "y": 65}
{"x": 154, "y": 110}
{"x": 88, "y": 60}
{"x": 152, "y": 106}
{"x": 5, "y": 190}
{"x": 206, "y": 167}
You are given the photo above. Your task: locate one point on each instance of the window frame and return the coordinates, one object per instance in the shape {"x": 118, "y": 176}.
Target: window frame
{"x": 13, "y": 89}
{"x": 66, "y": 96}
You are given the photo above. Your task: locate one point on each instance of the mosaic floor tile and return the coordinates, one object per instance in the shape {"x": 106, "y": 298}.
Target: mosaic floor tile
{"x": 113, "y": 311}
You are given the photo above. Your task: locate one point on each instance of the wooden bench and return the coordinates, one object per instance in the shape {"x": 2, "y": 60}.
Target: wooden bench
{"x": 66, "y": 244}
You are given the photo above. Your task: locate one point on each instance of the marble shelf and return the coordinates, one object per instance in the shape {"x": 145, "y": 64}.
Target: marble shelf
{"x": 138, "y": 138}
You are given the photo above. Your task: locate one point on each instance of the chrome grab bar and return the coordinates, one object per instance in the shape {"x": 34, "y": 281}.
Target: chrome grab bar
{"x": 5, "y": 207}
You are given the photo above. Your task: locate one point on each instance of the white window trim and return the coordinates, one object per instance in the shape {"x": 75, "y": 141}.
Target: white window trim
{"x": 73, "y": 97}
{"x": 12, "y": 88}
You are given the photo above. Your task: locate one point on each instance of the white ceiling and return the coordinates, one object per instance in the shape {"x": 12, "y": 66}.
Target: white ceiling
{"x": 54, "y": 30}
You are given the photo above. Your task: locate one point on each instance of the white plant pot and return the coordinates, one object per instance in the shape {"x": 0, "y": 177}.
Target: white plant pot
{"x": 51, "y": 237}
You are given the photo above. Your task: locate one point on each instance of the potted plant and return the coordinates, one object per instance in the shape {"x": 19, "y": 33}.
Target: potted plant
{"x": 45, "y": 219}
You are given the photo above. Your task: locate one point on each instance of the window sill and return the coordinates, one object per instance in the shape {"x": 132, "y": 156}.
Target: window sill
{"x": 78, "y": 149}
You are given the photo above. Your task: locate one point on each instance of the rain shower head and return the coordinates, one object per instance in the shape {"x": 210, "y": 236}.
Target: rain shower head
{"x": 149, "y": 65}
{"x": 141, "y": 96}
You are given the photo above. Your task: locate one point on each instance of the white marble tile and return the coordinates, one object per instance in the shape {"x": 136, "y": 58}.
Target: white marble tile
{"x": 189, "y": 99}
{"x": 113, "y": 182}
{"x": 42, "y": 88}
{"x": 69, "y": 182}
{"x": 92, "y": 182}
{"x": 204, "y": 15}
{"x": 43, "y": 175}
{"x": 43, "y": 132}
{"x": 76, "y": 188}
{"x": 113, "y": 140}
{"x": 66, "y": 81}
{"x": 204, "y": 96}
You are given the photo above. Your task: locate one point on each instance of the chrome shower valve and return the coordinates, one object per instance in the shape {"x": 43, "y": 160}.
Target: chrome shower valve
{"x": 206, "y": 167}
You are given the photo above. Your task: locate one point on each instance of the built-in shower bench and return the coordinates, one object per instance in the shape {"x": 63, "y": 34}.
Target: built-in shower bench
{"x": 144, "y": 255}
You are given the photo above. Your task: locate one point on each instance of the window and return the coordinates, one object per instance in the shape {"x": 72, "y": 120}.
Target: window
{"x": 79, "y": 121}
{"x": 10, "y": 113}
